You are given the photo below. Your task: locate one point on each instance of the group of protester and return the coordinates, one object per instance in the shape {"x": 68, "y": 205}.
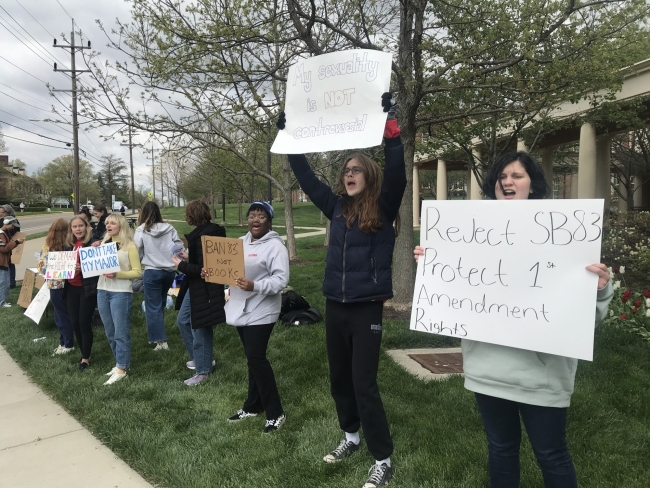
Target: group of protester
{"x": 508, "y": 383}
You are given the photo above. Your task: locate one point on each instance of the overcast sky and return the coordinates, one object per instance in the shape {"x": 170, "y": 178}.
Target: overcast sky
{"x": 27, "y": 29}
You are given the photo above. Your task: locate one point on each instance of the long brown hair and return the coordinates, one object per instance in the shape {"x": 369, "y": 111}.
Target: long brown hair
{"x": 363, "y": 207}
{"x": 70, "y": 240}
{"x": 57, "y": 235}
{"x": 150, "y": 215}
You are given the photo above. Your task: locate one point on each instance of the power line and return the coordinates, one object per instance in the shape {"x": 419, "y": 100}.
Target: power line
{"x": 51, "y": 35}
{"x": 28, "y": 104}
{"x": 32, "y": 132}
{"x": 27, "y": 72}
{"x": 31, "y": 142}
{"x": 66, "y": 12}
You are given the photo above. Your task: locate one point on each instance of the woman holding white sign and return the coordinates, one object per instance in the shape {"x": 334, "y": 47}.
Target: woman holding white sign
{"x": 362, "y": 210}
{"x": 81, "y": 293}
{"x": 115, "y": 295}
{"x": 55, "y": 242}
{"x": 512, "y": 384}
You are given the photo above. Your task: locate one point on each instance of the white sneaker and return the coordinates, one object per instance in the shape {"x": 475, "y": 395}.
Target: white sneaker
{"x": 115, "y": 377}
{"x": 161, "y": 346}
{"x": 62, "y": 350}
{"x": 6, "y": 305}
{"x": 110, "y": 373}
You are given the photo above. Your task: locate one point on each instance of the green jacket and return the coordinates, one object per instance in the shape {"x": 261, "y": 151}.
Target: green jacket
{"x": 525, "y": 376}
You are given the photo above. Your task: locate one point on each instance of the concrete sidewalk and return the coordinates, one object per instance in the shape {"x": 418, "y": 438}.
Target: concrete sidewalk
{"x": 41, "y": 445}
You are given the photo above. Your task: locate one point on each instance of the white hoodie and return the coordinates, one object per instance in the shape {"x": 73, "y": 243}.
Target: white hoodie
{"x": 153, "y": 245}
{"x": 266, "y": 262}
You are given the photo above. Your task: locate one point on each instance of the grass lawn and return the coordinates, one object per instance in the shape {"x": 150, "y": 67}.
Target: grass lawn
{"x": 177, "y": 436}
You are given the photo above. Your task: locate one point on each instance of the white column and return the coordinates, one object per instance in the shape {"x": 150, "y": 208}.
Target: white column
{"x": 441, "y": 183}
{"x": 622, "y": 203}
{"x": 587, "y": 162}
{"x": 603, "y": 179}
{"x": 521, "y": 145}
{"x": 574, "y": 185}
{"x": 416, "y": 196}
{"x": 474, "y": 190}
{"x": 547, "y": 166}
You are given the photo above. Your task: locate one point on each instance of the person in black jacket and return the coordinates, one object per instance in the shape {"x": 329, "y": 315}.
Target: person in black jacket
{"x": 197, "y": 317}
{"x": 100, "y": 212}
{"x": 357, "y": 281}
{"x": 81, "y": 293}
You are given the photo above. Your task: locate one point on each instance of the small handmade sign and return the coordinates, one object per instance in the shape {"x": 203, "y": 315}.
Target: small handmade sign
{"x": 61, "y": 265}
{"x": 223, "y": 258}
{"x": 96, "y": 261}
{"x": 38, "y": 305}
{"x": 17, "y": 253}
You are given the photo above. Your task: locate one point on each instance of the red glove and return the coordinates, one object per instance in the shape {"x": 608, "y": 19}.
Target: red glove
{"x": 391, "y": 130}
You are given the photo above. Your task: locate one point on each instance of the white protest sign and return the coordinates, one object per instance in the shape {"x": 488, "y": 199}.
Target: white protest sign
{"x": 510, "y": 273}
{"x": 38, "y": 304}
{"x": 333, "y": 102}
{"x": 99, "y": 260}
{"x": 60, "y": 265}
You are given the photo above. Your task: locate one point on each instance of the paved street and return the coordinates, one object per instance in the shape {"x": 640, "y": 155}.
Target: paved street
{"x": 33, "y": 224}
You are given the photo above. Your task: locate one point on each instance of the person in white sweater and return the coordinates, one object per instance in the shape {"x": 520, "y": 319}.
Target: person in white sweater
{"x": 115, "y": 295}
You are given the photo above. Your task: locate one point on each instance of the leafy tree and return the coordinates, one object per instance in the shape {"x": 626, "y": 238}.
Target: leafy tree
{"x": 112, "y": 179}
{"x": 57, "y": 180}
{"x": 217, "y": 69}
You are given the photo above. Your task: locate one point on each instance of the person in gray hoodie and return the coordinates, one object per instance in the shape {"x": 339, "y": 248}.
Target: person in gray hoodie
{"x": 254, "y": 307}
{"x": 156, "y": 240}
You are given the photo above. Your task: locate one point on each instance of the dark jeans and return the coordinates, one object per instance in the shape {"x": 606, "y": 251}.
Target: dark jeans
{"x": 12, "y": 275}
{"x": 263, "y": 393}
{"x": 546, "y": 429}
{"x": 81, "y": 310}
{"x": 61, "y": 318}
{"x": 157, "y": 283}
{"x": 353, "y": 335}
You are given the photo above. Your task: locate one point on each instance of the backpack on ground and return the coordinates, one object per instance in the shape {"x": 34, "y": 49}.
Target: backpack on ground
{"x": 302, "y": 317}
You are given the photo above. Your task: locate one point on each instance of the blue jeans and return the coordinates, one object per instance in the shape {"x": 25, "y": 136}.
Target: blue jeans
{"x": 157, "y": 283}
{"x": 115, "y": 311}
{"x": 198, "y": 342}
{"x": 62, "y": 318}
{"x": 4, "y": 285}
{"x": 546, "y": 429}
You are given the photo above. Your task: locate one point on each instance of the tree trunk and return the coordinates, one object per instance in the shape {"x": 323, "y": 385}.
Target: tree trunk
{"x": 328, "y": 226}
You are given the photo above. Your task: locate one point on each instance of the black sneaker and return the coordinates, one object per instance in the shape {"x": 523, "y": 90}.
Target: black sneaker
{"x": 345, "y": 449}
{"x": 83, "y": 366}
{"x": 274, "y": 424}
{"x": 241, "y": 415}
{"x": 379, "y": 475}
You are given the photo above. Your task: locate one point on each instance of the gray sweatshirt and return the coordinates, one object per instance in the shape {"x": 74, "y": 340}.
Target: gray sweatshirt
{"x": 153, "y": 246}
{"x": 266, "y": 262}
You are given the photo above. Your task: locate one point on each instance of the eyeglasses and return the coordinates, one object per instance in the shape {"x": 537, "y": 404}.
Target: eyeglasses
{"x": 261, "y": 218}
{"x": 355, "y": 171}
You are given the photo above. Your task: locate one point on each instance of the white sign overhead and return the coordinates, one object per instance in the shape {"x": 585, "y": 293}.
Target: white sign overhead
{"x": 510, "y": 273}
{"x": 333, "y": 102}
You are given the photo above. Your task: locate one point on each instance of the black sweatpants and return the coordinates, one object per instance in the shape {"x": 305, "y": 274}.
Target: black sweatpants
{"x": 81, "y": 310}
{"x": 353, "y": 335}
{"x": 263, "y": 393}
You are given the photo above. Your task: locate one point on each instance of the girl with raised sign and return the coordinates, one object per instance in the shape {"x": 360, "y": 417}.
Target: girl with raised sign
{"x": 254, "y": 307}
{"x": 198, "y": 314}
{"x": 362, "y": 209}
{"x": 513, "y": 385}
{"x": 55, "y": 242}
{"x": 154, "y": 238}
{"x": 115, "y": 295}
{"x": 81, "y": 293}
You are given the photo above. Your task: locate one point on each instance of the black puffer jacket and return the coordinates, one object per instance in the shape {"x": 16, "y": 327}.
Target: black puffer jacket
{"x": 358, "y": 266}
{"x": 207, "y": 298}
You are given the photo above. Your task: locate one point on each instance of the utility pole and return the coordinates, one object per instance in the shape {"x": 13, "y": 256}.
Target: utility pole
{"x": 130, "y": 144}
{"x": 75, "y": 125}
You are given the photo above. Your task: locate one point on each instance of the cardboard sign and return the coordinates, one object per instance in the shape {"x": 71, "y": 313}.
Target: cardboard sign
{"x": 17, "y": 253}
{"x": 61, "y": 265}
{"x": 96, "y": 261}
{"x": 510, "y": 273}
{"x": 223, "y": 257}
{"x": 333, "y": 102}
{"x": 30, "y": 279}
{"x": 38, "y": 305}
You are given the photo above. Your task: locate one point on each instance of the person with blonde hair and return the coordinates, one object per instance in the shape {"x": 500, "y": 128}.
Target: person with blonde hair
{"x": 55, "y": 242}
{"x": 115, "y": 295}
{"x": 81, "y": 293}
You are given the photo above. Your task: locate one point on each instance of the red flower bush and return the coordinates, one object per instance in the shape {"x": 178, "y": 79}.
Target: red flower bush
{"x": 623, "y": 317}
{"x": 624, "y": 299}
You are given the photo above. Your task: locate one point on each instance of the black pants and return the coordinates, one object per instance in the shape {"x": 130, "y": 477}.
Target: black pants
{"x": 12, "y": 275}
{"x": 263, "y": 393}
{"x": 81, "y": 310}
{"x": 353, "y": 335}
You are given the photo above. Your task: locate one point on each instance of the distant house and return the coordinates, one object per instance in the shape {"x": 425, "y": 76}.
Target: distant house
{"x": 15, "y": 184}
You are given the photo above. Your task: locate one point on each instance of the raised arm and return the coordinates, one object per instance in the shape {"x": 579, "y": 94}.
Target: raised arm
{"x": 318, "y": 192}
